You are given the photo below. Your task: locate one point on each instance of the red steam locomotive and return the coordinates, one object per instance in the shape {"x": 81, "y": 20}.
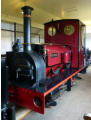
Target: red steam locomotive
{"x": 37, "y": 73}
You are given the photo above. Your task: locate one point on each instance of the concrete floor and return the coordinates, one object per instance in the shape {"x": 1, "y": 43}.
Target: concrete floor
{"x": 71, "y": 105}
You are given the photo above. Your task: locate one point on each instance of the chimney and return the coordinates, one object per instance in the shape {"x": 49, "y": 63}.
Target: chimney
{"x": 27, "y": 27}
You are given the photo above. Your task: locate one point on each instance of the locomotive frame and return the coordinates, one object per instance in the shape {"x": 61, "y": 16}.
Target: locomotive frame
{"x": 20, "y": 96}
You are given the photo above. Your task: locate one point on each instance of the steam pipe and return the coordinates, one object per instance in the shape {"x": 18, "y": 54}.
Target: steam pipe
{"x": 27, "y": 28}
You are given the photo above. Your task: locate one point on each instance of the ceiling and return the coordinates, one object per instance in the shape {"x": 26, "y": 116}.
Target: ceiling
{"x": 46, "y": 10}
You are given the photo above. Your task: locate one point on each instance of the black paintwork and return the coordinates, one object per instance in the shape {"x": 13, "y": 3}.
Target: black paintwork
{"x": 26, "y": 67}
{"x": 4, "y": 83}
{"x": 47, "y": 84}
{"x": 7, "y": 110}
{"x": 27, "y": 27}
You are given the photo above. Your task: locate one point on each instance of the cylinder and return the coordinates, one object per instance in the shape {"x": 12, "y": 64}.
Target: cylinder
{"x": 27, "y": 27}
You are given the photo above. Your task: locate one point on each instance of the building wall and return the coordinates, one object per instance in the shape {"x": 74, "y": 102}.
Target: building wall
{"x": 7, "y": 36}
{"x": 88, "y": 41}
{"x": 7, "y": 39}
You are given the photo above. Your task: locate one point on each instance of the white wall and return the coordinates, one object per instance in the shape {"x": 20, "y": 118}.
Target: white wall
{"x": 7, "y": 39}
{"x": 88, "y": 41}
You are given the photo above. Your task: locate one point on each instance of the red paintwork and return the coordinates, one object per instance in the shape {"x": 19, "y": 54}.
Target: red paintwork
{"x": 66, "y": 57}
{"x": 72, "y": 41}
{"x": 52, "y": 49}
{"x": 48, "y": 69}
{"x": 64, "y": 54}
{"x": 25, "y": 97}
